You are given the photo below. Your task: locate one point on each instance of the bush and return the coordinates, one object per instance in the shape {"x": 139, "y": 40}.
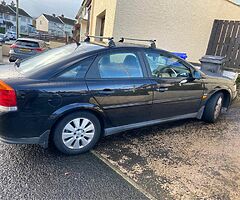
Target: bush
{"x": 238, "y": 81}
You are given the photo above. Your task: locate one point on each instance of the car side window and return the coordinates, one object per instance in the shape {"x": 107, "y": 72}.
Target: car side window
{"x": 77, "y": 71}
{"x": 166, "y": 66}
{"x": 120, "y": 65}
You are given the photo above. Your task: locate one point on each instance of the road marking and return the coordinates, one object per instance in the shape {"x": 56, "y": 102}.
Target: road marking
{"x": 125, "y": 177}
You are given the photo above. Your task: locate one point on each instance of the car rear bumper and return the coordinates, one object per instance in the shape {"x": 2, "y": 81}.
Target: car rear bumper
{"x": 24, "y": 128}
{"x": 15, "y": 56}
{"x": 42, "y": 140}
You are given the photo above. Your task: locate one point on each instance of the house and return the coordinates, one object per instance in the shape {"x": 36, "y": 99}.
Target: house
{"x": 8, "y": 19}
{"x": 25, "y": 21}
{"x": 55, "y": 25}
{"x": 178, "y": 26}
{"x": 68, "y": 24}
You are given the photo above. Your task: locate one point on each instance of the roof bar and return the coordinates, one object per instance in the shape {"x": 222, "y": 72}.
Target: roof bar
{"x": 153, "y": 42}
{"x": 111, "y": 42}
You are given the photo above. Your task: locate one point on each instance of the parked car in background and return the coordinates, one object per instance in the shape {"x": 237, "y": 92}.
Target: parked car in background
{"x": 24, "y": 48}
{"x": 11, "y": 35}
{"x": 3, "y": 38}
{"x": 75, "y": 94}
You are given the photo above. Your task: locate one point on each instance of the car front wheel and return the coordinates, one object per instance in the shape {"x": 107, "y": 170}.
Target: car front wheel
{"x": 77, "y": 133}
{"x": 213, "y": 108}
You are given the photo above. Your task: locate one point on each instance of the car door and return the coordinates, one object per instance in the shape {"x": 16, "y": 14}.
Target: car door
{"x": 176, "y": 93}
{"x": 119, "y": 84}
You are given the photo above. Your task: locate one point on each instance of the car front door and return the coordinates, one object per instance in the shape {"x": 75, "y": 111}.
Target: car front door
{"x": 176, "y": 93}
{"x": 119, "y": 84}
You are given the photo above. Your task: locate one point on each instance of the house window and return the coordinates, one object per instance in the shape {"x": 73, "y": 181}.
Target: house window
{"x": 100, "y": 24}
{"x": 1, "y": 15}
{"x": 40, "y": 22}
{"x": 23, "y": 29}
{"x": 23, "y": 19}
{"x": 7, "y": 17}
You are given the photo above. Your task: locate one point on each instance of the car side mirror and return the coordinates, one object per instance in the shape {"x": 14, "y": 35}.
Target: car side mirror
{"x": 197, "y": 75}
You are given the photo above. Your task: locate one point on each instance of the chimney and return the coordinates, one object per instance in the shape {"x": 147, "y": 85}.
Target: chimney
{"x": 62, "y": 15}
{"x": 54, "y": 15}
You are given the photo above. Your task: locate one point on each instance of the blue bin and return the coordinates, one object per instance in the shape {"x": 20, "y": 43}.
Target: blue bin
{"x": 181, "y": 55}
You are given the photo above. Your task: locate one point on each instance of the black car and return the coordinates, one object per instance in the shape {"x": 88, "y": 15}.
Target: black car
{"x": 74, "y": 95}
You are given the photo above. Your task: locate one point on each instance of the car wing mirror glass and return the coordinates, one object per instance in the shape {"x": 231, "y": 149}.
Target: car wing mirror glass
{"x": 197, "y": 75}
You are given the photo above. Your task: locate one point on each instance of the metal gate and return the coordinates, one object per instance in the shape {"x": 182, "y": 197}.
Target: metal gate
{"x": 225, "y": 41}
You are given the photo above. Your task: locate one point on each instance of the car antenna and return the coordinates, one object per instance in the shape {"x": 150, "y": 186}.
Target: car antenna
{"x": 111, "y": 42}
{"x": 152, "y": 45}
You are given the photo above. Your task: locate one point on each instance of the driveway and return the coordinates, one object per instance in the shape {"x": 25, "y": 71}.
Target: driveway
{"x": 182, "y": 160}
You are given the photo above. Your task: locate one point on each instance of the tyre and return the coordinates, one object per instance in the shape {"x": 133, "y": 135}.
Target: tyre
{"x": 77, "y": 133}
{"x": 213, "y": 108}
{"x": 12, "y": 59}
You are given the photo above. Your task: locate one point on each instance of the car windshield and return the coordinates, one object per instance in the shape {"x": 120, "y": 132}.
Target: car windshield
{"x": 49, "y": 57}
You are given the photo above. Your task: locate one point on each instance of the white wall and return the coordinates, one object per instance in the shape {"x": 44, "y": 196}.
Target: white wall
{"x": 42, "y": 23}
{"x": 178, "y": 26}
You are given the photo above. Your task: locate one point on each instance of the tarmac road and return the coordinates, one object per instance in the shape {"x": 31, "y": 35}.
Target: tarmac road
{"x": 29, "y": 172}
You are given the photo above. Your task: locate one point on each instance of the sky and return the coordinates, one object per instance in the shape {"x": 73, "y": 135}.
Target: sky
{"x": 36, "y": 7}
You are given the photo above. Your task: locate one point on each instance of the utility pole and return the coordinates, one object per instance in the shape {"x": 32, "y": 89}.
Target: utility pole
{"x": 17, "y": 17}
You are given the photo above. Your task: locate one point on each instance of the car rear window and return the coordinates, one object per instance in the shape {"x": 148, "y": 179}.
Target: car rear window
{"x": 47, "y": 58}
{"x": 27, "y": 43}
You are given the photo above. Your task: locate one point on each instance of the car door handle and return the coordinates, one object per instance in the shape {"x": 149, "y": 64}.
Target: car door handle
{"x": 106, "y": 92}
{"x": 162, "y": 89}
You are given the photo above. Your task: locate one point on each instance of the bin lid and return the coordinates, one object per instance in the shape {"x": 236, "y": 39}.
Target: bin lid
{"x": 213, "y": 59}
{"x": 181, "y": 55}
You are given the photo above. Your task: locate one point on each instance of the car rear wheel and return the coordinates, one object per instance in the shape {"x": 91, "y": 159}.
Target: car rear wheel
{"x": 77, "y": 133}
{"x": 213, "y": 108}
{"x": 12, "y": 59}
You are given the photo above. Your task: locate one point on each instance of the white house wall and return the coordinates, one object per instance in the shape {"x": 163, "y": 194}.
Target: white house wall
{"x": 178, "y": 26}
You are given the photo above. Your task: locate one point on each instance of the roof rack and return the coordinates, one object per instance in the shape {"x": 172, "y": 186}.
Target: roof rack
{"x": 153, "y": 42}
{"x": 111, "y": 42}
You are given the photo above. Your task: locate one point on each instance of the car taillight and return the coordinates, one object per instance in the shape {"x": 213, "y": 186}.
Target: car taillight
{"x": 8, "y": 98}
{"x": 13, "y": 46}
{"x": 39, "y": 49}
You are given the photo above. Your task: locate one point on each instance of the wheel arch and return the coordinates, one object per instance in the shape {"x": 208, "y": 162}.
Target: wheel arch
{"x": 59, "y": 114}
{"x": 226, "y": 99}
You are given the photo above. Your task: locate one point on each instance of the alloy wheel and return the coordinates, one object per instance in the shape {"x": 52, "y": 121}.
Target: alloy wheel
{"x": 78, "y": 133}
{"x": 218, "y": 108}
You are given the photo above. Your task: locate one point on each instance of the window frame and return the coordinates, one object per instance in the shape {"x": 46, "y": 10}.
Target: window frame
{"x": 94, "y": 74}
{"x": 165, "y": 54}
{"x": 71, "y": 66}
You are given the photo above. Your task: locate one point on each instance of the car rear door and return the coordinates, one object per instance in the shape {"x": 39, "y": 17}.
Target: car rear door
{"x": 176, "y": 93}
{"x": 118, "y": 82}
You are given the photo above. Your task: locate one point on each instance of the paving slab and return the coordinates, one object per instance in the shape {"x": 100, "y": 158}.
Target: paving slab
{"x": 182, "y": 160}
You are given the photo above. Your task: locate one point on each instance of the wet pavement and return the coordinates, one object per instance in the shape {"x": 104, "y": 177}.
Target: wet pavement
{"x": 29, "y": 172}
{"x": 182, "y": 160}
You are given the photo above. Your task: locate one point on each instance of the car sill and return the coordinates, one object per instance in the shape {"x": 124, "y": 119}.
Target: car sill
{"x": 114, "y": 130}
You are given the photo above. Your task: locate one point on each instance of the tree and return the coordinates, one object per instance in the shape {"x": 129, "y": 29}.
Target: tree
{"x": 12, "y": 4}
{"x": 3, "y": 2}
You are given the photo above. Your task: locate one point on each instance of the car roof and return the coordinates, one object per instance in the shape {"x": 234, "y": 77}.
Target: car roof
{"x": 30, "y": 39}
